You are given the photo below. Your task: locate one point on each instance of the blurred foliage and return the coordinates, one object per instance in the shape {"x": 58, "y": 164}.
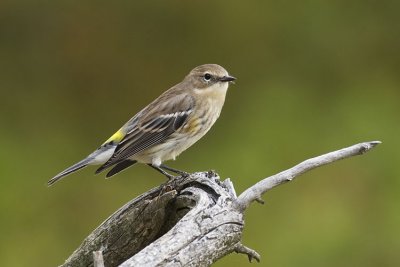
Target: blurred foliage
{"x": 313, "y": 76}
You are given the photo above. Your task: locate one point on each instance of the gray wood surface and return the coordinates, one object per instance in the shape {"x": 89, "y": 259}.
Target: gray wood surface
{"x": 189, "y": 221}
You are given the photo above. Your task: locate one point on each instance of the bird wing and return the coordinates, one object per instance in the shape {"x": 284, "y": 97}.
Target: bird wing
{"x": 152, "y": 126}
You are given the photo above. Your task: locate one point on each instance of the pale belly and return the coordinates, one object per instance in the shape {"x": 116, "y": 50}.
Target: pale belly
{"x": 167, "y": 150}
{"x": 180, "y": 140}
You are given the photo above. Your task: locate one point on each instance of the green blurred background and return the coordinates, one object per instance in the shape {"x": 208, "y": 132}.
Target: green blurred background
{"x": 313, "y": 76}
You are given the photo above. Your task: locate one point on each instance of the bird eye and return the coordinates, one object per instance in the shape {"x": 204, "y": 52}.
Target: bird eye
{"x": 207, "y": 77}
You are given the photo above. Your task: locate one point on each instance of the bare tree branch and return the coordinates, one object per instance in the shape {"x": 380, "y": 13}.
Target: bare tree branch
{"x": 205, "y": 234}
{"x": 251, "y": 253}
{"x": 254, "y": 192}
{"x": 148, "y": 219}
{"x": 189, "y": 221}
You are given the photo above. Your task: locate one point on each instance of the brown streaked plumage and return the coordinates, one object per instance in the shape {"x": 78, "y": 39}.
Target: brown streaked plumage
{"x": 166, "y": 127}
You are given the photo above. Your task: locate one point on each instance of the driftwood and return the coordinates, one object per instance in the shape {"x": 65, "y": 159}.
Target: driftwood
{"x": 189, "y": 221}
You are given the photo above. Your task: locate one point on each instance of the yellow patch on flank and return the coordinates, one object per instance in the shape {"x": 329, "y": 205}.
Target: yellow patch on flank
{"x": 116, "y": 137}
{"x": 193, "y": 126}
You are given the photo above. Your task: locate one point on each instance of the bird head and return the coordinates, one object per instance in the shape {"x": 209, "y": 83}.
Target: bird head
{"x": 209, "y": 76}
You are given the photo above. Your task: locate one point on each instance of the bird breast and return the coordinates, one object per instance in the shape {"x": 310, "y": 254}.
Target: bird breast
{"x": 206, "y": 111}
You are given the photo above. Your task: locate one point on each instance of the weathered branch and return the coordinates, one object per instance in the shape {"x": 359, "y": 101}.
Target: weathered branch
{"x": 251, "y": 253}
{"x": 200, "y": 199}
{"x": 196, "y": 240}
{"x": 189, "y": 221}
{"x": 254, "y": 192}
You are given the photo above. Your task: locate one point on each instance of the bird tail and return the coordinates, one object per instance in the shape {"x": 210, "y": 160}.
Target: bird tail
{"x": 120, "y": 167}
{"x": 77, "y": 166}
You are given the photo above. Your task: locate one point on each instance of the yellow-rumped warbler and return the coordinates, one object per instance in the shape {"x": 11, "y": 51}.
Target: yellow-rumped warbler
{"x": 166, "y": 127}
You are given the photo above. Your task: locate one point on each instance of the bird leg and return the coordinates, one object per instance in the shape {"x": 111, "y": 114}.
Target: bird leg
{"x": 182, "y": 173}
{"x": 169, "y": 176}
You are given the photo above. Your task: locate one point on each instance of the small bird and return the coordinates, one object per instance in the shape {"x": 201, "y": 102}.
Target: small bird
{"x": 166, "y": 127}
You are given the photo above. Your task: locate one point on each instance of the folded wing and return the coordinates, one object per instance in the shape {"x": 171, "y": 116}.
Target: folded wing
{"x": 153, "y": 126}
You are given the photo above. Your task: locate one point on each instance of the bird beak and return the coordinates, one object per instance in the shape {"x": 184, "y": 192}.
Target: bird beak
{"x": 227, "y": 79}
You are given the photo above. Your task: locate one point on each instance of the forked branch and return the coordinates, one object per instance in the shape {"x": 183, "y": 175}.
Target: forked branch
{"x": 189, "y": 221}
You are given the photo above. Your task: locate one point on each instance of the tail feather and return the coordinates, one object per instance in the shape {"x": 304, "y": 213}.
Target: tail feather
{"x": 77, "y": 166}
{"x": 120, "y": 167}
{"x": 101, "y": 169}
